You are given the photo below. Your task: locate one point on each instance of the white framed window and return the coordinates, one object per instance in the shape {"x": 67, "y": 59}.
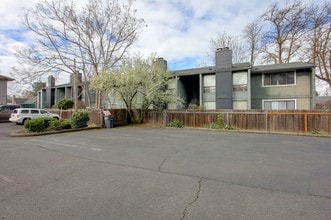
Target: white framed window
{"x": 209, "y": 84}
{"x": 279, "y": 79}
{"x": 279, "y": 104}
{"x": 239, "y": 82}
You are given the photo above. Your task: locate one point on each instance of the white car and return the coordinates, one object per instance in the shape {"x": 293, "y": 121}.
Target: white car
{"x": 21, "y": 115}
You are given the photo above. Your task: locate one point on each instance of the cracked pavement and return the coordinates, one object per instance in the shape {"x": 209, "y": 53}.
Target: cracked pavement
{"x": 153, "y": 173}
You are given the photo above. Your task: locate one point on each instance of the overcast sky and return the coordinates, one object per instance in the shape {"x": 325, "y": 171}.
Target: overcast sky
{"x": 178, "y": 30}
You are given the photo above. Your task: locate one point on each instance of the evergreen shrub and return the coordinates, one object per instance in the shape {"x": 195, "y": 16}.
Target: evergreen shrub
{"x": 79, "y": 119}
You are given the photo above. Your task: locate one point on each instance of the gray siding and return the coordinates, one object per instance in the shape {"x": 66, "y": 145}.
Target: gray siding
{"x": 3, "y": 92}
{"x": 301, "y": 91}
{"x": 224, "y": 90}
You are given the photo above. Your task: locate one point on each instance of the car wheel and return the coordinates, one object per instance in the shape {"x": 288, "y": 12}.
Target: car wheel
{"x": 25, "y": 120}
{"x": 56, "y": 118}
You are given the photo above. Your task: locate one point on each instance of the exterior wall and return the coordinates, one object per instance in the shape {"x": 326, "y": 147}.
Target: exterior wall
{"x": 180, "y": 89}
{"x": 47, "y": 97}
{"x": 240, "y": 86}
{"x": 300, "y": 91}
{"x": 173, "y": 86}
{"x": 240, "y": 99}
{"x": 3, "y": 92}
{"x": 303, "y": 103}
{"x": 60, "y": 94}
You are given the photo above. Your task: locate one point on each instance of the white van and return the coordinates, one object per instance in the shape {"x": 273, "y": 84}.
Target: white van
{"x": 20, "y": 115}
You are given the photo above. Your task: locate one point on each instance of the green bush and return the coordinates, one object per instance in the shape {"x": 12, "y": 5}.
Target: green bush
{"x": 176, "y": 124}
{"x": 38, "y": 124}
{"x": 55, "y": 125}
{"x": 228, "y": 127}
{"x": 79, "y": 119}
{"x": 65, "y": 104}
{"x": 215, "y": 126}
{"x": 58, "y": 125}
{"x": 47, "y": 121}
{"x": 65, "y": 124}
{"x": 35, "y": 125}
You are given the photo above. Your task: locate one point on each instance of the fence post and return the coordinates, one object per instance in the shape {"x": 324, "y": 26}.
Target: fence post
{"x": 185, "y": 118}
{"x": 164, "y": 118}
{"x": 266, "y": 121}
{"x": 194, "y": 119}
{"x": 306, "y": 122}
{"x": 227, "y": 118}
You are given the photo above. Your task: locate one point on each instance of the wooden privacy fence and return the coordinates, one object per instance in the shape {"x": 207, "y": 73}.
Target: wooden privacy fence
{"x": 94, "y": 114}
{"x": 268, "y": 121}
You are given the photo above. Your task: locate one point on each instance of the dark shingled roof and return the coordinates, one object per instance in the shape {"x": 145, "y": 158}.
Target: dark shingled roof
{"x": 245, "y": 66}
{"x": 281, "y": 67}
{"x": 6, "y": 78}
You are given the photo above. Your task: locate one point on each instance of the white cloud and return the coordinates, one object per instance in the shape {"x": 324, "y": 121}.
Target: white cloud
{"x": 182, "y": 29}
{"x": 11, "y": 11}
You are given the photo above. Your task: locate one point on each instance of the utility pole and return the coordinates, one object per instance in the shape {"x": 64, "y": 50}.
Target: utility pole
{"x": 75, "y": 86}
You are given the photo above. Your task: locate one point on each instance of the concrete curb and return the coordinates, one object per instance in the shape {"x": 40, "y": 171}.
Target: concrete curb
{"x": 247, "y": 131}
{"x": 17, "y": 134}
{"x": 265, "y": 132}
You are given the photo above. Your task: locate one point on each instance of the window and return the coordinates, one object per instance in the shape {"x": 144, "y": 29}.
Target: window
{"x": 279, "y": 104}
{"x": 209, "y": 84}
{"x": 239, "y": 82}
{"x": 274, "y": 79}
{"x": 34, "y": 111}
{"x": 25, "y": 111}
{"x": 5, "y": 108}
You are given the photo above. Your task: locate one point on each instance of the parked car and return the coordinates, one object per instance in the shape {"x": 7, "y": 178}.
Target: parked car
{"x": 6, "y": 110}
{"x": 21, "y": 115}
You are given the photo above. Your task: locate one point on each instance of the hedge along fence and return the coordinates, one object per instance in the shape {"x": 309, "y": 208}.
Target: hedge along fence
{"x": 95, "y": 115}
{"x": 258, "y": 120}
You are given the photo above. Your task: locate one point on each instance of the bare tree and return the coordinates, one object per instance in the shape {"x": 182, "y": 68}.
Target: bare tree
{"x": 95, "y": 37}
{"x": 283, "y": 32}
{"x": 319, "y": 40}
{"x": 239, "y": 50}
{"x": 252, "y": 34}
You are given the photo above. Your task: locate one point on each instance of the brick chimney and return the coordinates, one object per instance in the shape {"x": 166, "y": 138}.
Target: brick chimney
{"x": 51, "y": 81}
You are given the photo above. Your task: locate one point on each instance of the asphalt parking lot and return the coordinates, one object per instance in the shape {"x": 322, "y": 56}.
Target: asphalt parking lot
{"x": 7, "y": 127}
{"x": 155, "y": 173}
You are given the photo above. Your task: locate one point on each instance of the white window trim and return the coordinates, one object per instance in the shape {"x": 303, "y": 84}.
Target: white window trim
{"x": 278, "y": 100}
{"x": 295, "y": 81}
